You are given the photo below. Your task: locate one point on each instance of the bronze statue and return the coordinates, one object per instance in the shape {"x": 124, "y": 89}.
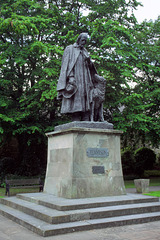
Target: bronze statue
{"x": 77, "y": 84}
{"x": 98, "y": 97}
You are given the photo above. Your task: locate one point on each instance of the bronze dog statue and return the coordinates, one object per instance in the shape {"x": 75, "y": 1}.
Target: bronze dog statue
{"x": 98, "y": 97}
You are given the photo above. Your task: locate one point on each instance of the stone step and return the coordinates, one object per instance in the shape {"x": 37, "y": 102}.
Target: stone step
{"x": 62, "y": 204}
{"x": 45, "y": 229}
{"x": 54, "y": 216}
{"x": 36, "y": 210}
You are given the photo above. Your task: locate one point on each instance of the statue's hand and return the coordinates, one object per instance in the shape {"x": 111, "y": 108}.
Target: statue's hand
{"x": 71, "y": 88}
{"x": 60, "y": 95}
{"x": 89, "y": 61}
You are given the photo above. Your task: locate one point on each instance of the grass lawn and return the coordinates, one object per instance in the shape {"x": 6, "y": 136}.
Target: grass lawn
{"x": 154, "y": 194}
{"x": 128, "y": 184}
{"x": 153, "y": 182}
{"x": 14, "y": 191}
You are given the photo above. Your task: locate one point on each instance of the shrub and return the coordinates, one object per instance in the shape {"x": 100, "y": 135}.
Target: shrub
{"x": 30, "y": 165}
{"x": 127, "y": 157}
{"x": 145, "y": 159}
{"x": 8, "y": 165}
{"x": 151, "y": 173}
{"x": 158, "y": 160}
{"x": 130, "y": 177}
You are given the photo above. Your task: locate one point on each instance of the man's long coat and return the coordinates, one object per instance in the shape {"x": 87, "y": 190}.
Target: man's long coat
{"x": 74, "y": 64}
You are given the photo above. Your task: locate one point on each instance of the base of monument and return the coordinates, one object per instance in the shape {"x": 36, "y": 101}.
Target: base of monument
{"x": 84, "y": 163}
{"x": 84, "y": 124}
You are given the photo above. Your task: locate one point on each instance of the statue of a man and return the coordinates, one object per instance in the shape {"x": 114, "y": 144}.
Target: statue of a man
{"x": 76, "y": 81}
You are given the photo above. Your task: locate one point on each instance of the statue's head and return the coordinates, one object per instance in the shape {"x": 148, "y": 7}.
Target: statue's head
{"x": 82, "y": 39}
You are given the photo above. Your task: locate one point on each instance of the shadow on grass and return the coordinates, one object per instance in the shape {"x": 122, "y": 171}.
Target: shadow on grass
{"x": 14, "y": 191}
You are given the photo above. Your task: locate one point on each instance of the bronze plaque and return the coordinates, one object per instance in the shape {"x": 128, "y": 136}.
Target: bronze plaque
{"x": 97, "y": 152}
{"x": 98, "y": 170}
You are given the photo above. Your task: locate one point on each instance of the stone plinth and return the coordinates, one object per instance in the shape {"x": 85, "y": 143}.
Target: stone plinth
{"x": 142, "y": 185}
{"x": 84, "y": 124}
{"x": 84, "y": 163}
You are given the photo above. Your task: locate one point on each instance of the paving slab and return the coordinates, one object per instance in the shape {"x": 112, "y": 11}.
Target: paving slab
{"x": 64, "y": 204}
{"x": 9, "y": 230}
{"x": 85, "y": 224}
{"x": 45, "y": 229}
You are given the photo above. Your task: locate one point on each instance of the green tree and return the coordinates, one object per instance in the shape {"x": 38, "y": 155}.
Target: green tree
{"x": 33, "y": 35}
{"x": 29, "y": 62}
{"x": 140, "y": 118}
{"x": 128, "y": 56}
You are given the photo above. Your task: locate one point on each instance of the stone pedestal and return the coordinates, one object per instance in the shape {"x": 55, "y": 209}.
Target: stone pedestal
{"x": 84, "y": 163}
{"x": 142, "y": 185}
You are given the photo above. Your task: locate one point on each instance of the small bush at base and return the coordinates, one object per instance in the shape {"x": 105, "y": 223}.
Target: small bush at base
{"x": 127, "y": 162}
{"x": 145, "y": 159}
{"x": 151, "y": 173}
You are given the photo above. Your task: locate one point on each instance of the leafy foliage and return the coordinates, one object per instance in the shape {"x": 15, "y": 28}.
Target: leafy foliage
{"x": 33, "y": 35}
{"x": 139, "y": 117}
